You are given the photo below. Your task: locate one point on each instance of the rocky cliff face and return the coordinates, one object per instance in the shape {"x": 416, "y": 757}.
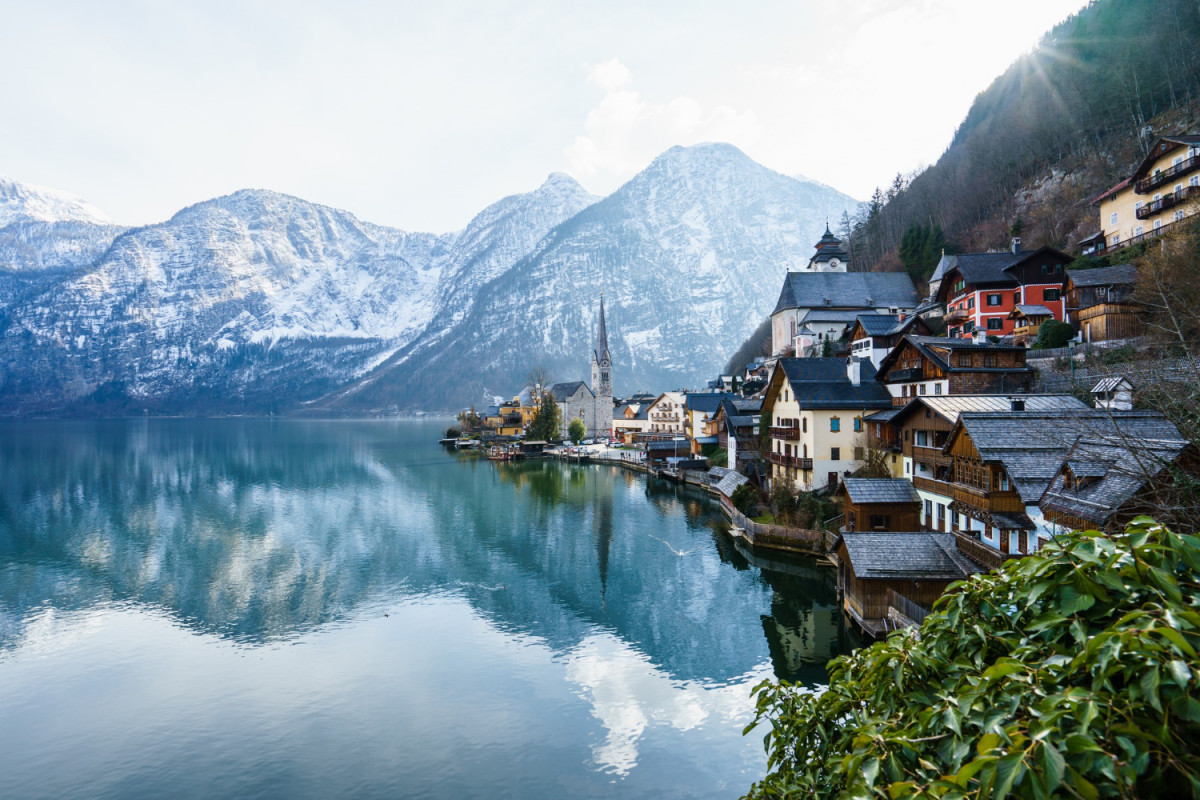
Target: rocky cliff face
{"x": 259, "y": 302}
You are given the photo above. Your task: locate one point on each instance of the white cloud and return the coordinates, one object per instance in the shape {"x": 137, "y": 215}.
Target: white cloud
{"x": 624, "y": 131}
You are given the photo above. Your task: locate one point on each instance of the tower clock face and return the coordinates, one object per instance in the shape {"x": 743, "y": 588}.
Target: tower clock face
{"x": 833, "y": 263}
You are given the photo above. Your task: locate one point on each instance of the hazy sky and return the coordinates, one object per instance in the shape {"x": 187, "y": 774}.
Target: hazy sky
{"x": 417, "y": 115}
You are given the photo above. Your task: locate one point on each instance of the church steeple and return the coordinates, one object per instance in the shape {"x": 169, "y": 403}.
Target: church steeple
{"x": 602, "y": 377}
{"x": 601, "y": 353}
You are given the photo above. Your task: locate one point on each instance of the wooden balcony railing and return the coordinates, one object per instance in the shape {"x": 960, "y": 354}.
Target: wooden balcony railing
{"x": 956, "y": 314}
{"x": 1163, "y": 176}
{"x": 785, "y": 433}
{"x": 934, "y": 486}
{"x": 998, "y": 501}
{"x": 790, "y": 461}
{"x": 1167, "y": 201}
{"x": 979, "y": 552}
{"x": 904, "y": 375}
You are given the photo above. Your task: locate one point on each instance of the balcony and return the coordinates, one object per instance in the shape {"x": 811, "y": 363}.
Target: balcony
{"x": 1165, "y": 176}
{"x": 999, "y": 502}
{"x": 930, "y": 485}
{"x": 791, "y": 434}
{"x": 956, "y": 315}
{"x": 931, "y": 455}
{"x": 904, "y": 375}
{"x": 979, "y": 552}
{"x": 1167, "y": 201}
{"x": 790, "y": 461}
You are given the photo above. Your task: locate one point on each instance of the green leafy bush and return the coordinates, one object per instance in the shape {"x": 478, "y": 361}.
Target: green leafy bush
{"x": 1069, "y": 673}
{"x": 1053, "y": 333}
{"x": 745, "y": 499}
{"x": 576, "y": 430}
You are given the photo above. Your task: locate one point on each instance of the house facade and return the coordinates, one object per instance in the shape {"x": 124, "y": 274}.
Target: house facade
{"x": 874, "y": 335}
{"x": 921, "y": 366}
{"x": 1101, "y": 303}
{"x": 815, "y": 408}
{"x": 666, "y": 415}
{"x": 1163, "y": 189}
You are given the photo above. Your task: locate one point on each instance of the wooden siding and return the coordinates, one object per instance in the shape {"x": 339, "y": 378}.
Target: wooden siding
{"x": 1106, "y": 321}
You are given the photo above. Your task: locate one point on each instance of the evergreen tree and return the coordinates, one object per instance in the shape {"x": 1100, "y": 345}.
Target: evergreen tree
{"x": 545, "y": 424}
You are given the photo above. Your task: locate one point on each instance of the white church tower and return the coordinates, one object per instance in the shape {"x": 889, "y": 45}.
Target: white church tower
{"x": 602, "y": 380}
{"x": 831, "y": 256}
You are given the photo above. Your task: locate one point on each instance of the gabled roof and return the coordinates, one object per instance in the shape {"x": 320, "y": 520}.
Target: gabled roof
{"x": 563, "y": 391}
{"x": 823, "y": 383}
{"x": 948, "y": 407}
{"x": 1118, "y": 472}
{"x": 1111, "y": 384}
{"x": 1027, "y": 310}
{"x": 1031, "y": 445}
{"x": 982, "y": 269}
{"x": 1163, "y": 145}
{"x": 1100, "y": 198}
{"x": 1120, "y": 275}
{"x": 932, "y": 346}
{"x": 880, "y": 490}
{"x": 907, "y": 556}
{"x": 704, "y": 402}
{"x": 885, "y": 324}
{"x": 862, "y": 290}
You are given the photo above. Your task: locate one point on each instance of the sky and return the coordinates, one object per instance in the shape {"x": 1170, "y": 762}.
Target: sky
{"x": 418, "y": 115}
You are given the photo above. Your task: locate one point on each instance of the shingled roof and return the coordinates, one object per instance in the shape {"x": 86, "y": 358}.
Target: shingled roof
{"x": 880, "y": 490}
{"x": 1107, "y": 475}
{"x": 884, "y": 324}
{"x": 1120, "y": 275}
{"x": 907, "y": 556}
{"x": 847, "y": 290}
{"x": 563, "y": 391}
{"x": 1033, "y": 445}
{"x": 948, "y": 407}
{"x": 822, "y": 383}
{"x": 932, "y": 347}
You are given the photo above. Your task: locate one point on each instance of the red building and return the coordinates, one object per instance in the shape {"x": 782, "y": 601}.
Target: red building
{"x": 981, "y": 289}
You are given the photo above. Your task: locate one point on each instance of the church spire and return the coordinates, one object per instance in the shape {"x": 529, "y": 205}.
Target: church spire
{"x": 601, "y": 333}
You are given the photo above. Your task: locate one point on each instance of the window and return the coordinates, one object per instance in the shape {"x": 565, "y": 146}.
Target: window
{"x": 922, "y": 388}
{"x": 993, "y": 299}
{"x": 1178, "y": 216}
{"x": 989, "y": 359}
{"x": 995, "y": 324}
{"x": 804, "y": 425}
{"x": 922, "y": 438}
{"x": 1194, "y": 180}
{"x": 879, "y": 521}
{"x": 858, "y": 424}
{"x": 928, "y": 511}
{"x": 937, "y": 388}
{"x": 1016, "y": 298}
{"x": 835, "y": 424}
{"x": 1116, "y": 239}
{"x": 963, "y": 359}
{"x": 835, "y": 453}
{"x": 971, "y": 302}
{"x": 804, "y": 451}
{"x": 941, "y": 514}
{"x": 1004, "y": 481}
{"x": 1157, "y": 224}
{"x": 1050, "y": 295}
{"x": 1178, "y": 189}
{"x": 1139, "y": 230}
{"x": 1136, "y": 205}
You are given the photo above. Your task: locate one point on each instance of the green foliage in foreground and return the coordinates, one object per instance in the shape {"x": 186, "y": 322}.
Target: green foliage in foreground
{"x": 1070, "y": 673}
{"x": 1053, "y": 333}
{"x": 576, "y": 430}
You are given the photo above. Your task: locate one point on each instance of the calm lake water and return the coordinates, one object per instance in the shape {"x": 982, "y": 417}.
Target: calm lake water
{"x": 342, "y": 609}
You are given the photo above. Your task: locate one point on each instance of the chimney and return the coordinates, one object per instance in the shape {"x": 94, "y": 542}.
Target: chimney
{"x": 853, "y": 370}
{"x": 1016, "y": 245}
{"x": 979, "y": 336}
{"x": 902, "y": 315}
{"x": 1018, "y": 403}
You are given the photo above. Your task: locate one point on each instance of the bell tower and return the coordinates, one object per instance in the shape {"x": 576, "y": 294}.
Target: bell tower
{"x": 602, "y": 378}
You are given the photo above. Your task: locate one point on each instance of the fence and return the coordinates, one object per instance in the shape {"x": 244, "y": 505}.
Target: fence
{"x": 776, "y": 537}
{"x": 906, "y": 608}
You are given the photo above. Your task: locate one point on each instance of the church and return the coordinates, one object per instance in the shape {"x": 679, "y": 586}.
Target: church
{"x": 593, "y": 405}
{"x": 823, "y": 299}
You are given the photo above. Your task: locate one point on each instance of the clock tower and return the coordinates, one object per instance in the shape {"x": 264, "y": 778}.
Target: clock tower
{"x": 831, "y": 256}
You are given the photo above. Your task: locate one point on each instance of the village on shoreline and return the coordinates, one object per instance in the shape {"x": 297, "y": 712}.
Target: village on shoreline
{"x": 914, "y": 441}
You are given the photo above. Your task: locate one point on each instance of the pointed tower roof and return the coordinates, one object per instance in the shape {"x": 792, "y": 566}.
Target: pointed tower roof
{"x": 601, "y": 333}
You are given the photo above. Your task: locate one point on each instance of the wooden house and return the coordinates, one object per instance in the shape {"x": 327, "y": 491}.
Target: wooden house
{"x": 879, "y": 572}
{"x": 879, "y": 504}
{"x": 1027, "y": 322}
{"x": 932, "y": 366}
{"x": 1101, "y": 303}
{"x": 923, "y": 427}
{"x": 1003, "y": 463}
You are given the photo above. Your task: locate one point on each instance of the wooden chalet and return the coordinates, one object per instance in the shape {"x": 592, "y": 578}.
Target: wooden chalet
{"x": 887, "y": 579}
{"x": 879, "y": 504}
{"x": 736, "y": 426}
{"x": 1027, "y": 322}
{"x": 1103, "y": 483}
{"x": 1003, "y": 463}
{"x": 932, "y": 366}
{"x": 1101, "y": 304}
{"x": 923, "y": 427}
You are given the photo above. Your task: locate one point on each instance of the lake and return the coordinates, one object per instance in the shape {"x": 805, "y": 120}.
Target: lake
{"x": 280, "y": 608}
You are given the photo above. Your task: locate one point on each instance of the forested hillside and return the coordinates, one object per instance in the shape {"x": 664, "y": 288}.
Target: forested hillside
{"x": 1057, "y": 128}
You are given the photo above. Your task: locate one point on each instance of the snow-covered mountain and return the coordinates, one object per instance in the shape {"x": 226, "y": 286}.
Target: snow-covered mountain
{"x": 261, "y": 302}
{"x": 689, "y": 255}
